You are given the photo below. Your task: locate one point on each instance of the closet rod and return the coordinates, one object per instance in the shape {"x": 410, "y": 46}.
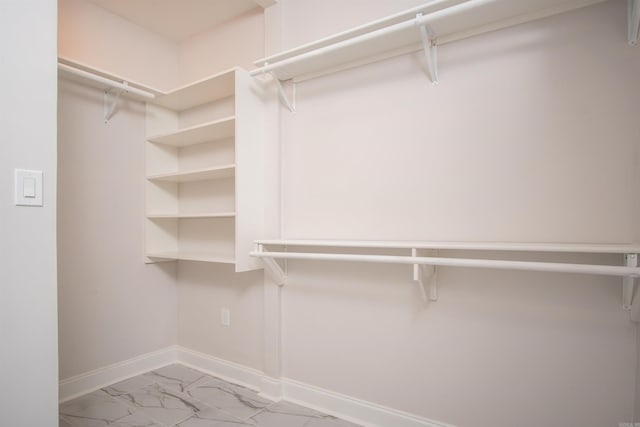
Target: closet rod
{"x": 415, "y": 22}
{"x": 604, "y": 270}
{"x": 103, "y": 80}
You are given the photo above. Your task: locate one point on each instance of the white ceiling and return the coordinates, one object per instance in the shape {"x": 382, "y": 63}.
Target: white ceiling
{"x": 178, "y": 20}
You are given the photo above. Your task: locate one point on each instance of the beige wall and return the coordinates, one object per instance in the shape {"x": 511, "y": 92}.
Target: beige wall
{"x": 112, "y": 306}
{"x": 204, "y": 289}
{"x": 103, "y": 40}
{"x": 28, "y": 328}
{"x": 531, "y": 135}
{"x": 238, "y": 42}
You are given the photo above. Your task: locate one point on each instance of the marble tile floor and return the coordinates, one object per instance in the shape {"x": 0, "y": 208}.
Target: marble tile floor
{"x": 183, "y": 397}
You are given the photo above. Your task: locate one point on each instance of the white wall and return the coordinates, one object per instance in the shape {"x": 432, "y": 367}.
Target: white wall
{"x": 28, "y": 327}
{"x": 103, "y": 40}
{"x": 238, "y": 42}
{"x": 112, "y": 305}
{"x": 531, "y": 135}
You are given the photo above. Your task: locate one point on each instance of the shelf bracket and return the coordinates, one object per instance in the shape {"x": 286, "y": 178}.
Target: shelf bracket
{"x": 282, "y": 94}
{"x": 425, "y": 275}
{"x": 430, "y": 48}
{"x": 633, "y": 19}
{"x": 628, "y": 283}
{"x": 273, "y": 268}
{"x": 111, "y": 104}
{"x": 291, "y": 105}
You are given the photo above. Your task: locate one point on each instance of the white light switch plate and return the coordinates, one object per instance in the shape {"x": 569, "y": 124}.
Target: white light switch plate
{"x": 28, "y": 191}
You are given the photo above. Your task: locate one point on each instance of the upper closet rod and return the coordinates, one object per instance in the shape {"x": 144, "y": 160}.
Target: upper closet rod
{"x": 103, "y": 80}
{"x": 416, "y": 22}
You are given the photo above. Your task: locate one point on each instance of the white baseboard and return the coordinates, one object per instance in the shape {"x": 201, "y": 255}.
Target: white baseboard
{"x": 351, "y": 409}
{"x": 93, "y": 380}
{"x": 223, "y": 369}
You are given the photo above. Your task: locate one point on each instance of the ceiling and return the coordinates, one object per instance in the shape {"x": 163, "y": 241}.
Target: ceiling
{"x": 179, "y": 20}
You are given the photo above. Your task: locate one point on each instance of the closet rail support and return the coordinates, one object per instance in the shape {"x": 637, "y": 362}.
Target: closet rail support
{"x": 425, "y": 275}
{"x": 628, "y": 283}
{"x": 275, "y": 271}
{"x": 430, "y": 48}
{"x": 282, "y": 94}
{"x": 633, "y": 24}
{"x": 111, "y": 104}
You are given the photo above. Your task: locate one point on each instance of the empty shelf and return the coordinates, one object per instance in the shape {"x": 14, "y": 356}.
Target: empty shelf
{"x": 193, "y": 216}
{"x": 196, "y": 175}
{"x": 211, "y": 131}
{"x": 185, "y": 256}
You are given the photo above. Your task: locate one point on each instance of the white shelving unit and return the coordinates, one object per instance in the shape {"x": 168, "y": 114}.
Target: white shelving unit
{"x": 204, "y": 186}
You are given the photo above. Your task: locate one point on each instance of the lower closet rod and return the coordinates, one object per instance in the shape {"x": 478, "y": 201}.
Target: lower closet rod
{"x": 604, "y": 270}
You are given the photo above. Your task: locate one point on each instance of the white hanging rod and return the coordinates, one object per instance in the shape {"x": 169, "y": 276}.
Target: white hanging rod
{"x": 473, "y": 246}
{"x": 124, "y": 86}
{"x": 605, "y": 270}
{"x": 415, "y": 22}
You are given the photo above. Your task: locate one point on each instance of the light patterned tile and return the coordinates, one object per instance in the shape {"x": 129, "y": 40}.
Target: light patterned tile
{"x": 175, "y": 377}
{"x": 213, "y": 418}
{"x": 95, "y": 409}
{"x": 166, "y": 406}
{"x": 127, "y": 386}
{"x": 234, "y": 399}
{"x": 137, "y": 419}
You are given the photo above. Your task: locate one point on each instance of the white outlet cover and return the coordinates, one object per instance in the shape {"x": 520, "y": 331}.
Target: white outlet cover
{"x": 28, "y": 187}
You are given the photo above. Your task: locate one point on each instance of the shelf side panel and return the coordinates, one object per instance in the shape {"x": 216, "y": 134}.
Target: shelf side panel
{"x": 162, "y": 235}
{"x": 250, "y": 174}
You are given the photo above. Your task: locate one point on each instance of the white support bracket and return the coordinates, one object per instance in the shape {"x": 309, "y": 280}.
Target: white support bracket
{"x": 111, "y": 104}
{"x": 628, "y": 283}
{"x": 282, "y": 94}
{"x": 425, "y": 275}
{"x": 430, "y": 48}
{"x": 633, "y": 18}
{"x": 275, "y": 271}
{"x": 291, "y": 105}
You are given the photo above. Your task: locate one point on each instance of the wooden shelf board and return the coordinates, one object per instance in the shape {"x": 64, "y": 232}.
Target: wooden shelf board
{"x": 186, "y": 256}
{"x": 193, "y": 216}
{"x": 196, "y": 175}
{"x": 211, "y": 131}
{"x": 217, "y": 86}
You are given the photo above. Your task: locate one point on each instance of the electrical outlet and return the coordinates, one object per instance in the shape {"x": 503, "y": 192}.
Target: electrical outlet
{"x": 225, "y": 317}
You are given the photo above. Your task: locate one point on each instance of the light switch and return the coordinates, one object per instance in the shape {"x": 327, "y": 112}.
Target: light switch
{"x": 28, "y": 187}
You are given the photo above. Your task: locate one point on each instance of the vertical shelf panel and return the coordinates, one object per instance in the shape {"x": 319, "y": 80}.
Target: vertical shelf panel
{"x": 250, "y": 174}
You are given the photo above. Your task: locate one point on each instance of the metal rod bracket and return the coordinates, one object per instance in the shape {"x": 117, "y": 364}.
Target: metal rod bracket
{"x": 425, "y": 276}
{"x": 282, "y": 93}
{"x": 628, "y": 283}
{"x": 273, "y": 268}
{"x": 111, "y": 102}
{"x": 430, "y": 48}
